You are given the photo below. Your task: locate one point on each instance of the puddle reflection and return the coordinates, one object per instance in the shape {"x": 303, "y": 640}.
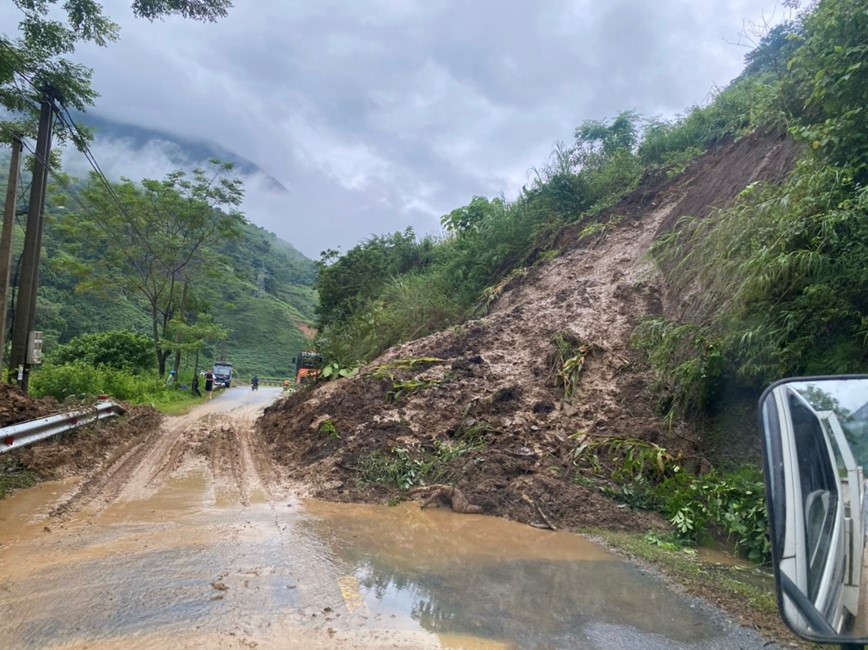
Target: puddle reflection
{"x": 486, "y": 577}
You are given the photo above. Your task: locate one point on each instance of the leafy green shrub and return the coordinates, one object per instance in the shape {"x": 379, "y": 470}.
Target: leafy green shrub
{"x": 627, "y": 460}
{"x": 404, "y": 469}
{"x": 688, "y": 364}
{"x": 567, "y": 361}
{"x": 408, "y": 307}
{"x": 67, "y": 380}
{"x": 328, "y": 428}
{"x": 333, "y": 371}
{"x": 397, "y": 468}
{"x": 733, "y": 502}
{"x": 346, "y": 283}
{"x": 827, "y": 85}
{"x": 119, "y": 349}
{"x": 83, "y": 381}
{"x": 648, "y": 476}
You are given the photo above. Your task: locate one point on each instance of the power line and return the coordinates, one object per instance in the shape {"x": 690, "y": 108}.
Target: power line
{"x": 78, "y": 137}
{"x": 74, "y": 130}
{"x": 65, "y": 119}
{"x": 57, "y": 176}
{"x": 21, "y": 60}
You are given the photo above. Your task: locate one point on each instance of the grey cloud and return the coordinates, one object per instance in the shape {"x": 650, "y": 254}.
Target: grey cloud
{"x": 379, "y": 114}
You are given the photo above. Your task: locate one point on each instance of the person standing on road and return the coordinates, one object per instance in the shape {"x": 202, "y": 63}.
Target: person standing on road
{"x": 209, "y": 383}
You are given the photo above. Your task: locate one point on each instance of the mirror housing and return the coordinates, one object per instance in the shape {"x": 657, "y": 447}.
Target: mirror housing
{"x": 815, "y": 448}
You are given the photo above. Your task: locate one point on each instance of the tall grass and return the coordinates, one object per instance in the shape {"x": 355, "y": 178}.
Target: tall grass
{"x": 780, "y": 275}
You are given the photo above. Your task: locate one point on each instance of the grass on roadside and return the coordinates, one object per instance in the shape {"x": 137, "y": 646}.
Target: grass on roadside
{"x": 178, "y": 406}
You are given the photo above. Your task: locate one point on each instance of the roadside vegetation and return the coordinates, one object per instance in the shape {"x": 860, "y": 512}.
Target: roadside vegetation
{"x": 118, "y": 364}
{"x": 243, "y": 292}
{"x": 773, "y": 285}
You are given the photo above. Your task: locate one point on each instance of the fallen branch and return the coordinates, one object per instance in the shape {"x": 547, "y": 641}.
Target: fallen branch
{"x": 456, "y": 499}
{"x": 534, "y": 505}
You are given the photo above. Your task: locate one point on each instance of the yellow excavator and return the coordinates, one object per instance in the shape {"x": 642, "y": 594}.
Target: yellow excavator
{"x": 308, "y": 366}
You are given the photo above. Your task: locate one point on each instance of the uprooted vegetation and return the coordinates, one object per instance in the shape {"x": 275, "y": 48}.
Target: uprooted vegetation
{"x": 623, "y": 311}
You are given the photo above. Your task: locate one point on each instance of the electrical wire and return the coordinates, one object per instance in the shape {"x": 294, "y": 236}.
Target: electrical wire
{"x": 21, "y": 60}
{"x": 74, "y": 130}
{"x": 65, "y": 119}
{"x": 56, "y": 176}
{"x": 78, "y": 137}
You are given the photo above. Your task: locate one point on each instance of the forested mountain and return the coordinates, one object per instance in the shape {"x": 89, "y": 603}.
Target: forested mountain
{"x": 258, "y": 287}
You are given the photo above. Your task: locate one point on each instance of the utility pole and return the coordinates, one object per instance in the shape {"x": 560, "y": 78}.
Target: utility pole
{"x": 25, "y": 309}
{"x": 6, "y": 239}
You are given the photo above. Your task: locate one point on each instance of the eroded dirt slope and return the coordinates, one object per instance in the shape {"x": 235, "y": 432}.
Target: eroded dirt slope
{"x": 492, "y": 390}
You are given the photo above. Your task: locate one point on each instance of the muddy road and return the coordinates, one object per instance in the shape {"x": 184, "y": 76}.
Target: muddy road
{"x": 192, "y": 538}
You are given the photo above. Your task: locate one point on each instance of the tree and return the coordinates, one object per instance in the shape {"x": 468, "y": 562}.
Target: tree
{"x": 462, "y": 220}
{"x": 597, "y": 142}
{"x": 36, "y": 59}
{"x": 150, "y": 239}
{"x": 829, "y": 82}
{"x": 122, "y": 350}
{"x": 346, "y": 283}
{"x": 773, "y": 51}
{"x": 189, "y": 338}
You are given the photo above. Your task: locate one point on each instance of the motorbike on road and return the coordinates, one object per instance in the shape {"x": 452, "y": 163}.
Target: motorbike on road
{"x": 254, "y": 383}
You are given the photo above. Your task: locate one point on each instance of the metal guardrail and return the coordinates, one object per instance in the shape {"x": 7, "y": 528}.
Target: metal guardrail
{"x": 271, "y": 381}
{"x": 26, "y": 433}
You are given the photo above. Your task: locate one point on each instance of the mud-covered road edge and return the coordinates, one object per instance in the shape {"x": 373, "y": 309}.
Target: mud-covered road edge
{"x": 723, "y": 587}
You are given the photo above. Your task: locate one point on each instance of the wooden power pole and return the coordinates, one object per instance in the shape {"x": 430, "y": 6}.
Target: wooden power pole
{"x": 6, "y": 239}
{"x": 25, "y": 308}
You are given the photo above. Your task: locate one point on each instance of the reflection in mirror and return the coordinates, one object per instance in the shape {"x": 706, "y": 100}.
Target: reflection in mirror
{"x": 816, "y": 449}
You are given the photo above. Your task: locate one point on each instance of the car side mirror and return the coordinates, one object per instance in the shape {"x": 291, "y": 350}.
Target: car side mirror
{"x": 815, "y": 451}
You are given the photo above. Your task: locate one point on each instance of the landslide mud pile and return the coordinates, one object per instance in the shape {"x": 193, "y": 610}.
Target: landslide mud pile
{"x": 73, "y": 453}
{"x": 481, "y": 406}
{"x": 17, "y": 407}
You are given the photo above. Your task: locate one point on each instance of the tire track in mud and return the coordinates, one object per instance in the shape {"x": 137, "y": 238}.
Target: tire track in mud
{"x": 226, "y": 461}
{"x": 220, "y": 442}
{"x": 97, "y": 485}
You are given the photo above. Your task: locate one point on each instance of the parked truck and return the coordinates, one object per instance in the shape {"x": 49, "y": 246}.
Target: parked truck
{"x": 222, "y": 374}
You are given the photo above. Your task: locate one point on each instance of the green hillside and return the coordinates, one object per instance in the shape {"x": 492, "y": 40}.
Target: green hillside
{"x": 260, "y": 289}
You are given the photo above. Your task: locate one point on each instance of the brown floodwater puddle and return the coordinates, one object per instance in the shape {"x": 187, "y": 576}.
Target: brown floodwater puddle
{"x": 187, "y": 567}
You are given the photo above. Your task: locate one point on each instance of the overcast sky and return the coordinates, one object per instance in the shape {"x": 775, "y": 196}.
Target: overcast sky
{"x": 382, "y": 114}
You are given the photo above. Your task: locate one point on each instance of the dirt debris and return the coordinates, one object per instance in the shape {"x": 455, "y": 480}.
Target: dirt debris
{"x": 16, "y": 407}
{"x": 449, "y": 494}
{"x": 486, "y": 404}
{"x": 78, "y": 452}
